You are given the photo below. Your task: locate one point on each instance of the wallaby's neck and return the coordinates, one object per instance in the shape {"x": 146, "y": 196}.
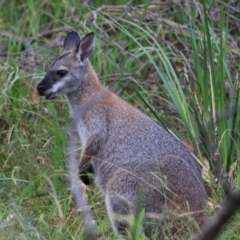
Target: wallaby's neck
{"x": 90, "y": 88}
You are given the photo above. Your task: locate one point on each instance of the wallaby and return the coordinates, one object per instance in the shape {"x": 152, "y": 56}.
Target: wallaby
{"x": 131, "y": 155}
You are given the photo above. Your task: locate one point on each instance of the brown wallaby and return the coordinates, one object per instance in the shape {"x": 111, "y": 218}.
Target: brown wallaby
{"x": 132, "y": 156}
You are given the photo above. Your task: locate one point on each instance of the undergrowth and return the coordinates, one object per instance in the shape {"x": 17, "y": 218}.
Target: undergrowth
{"x": 179, "y": 63}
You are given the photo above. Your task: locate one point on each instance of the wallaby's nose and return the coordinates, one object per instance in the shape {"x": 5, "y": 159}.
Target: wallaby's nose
{"x": 40, "y": 88}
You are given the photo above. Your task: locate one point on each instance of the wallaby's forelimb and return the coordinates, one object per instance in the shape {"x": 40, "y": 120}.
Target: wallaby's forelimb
{"x": 76, "y": 186}
{"x": 83, "y": 174}
{"x": 92, "y": 148}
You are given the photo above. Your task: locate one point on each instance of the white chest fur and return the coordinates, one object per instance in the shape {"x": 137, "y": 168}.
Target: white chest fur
{"x": 81, "y": 129}
{"x": 82, "y": 132}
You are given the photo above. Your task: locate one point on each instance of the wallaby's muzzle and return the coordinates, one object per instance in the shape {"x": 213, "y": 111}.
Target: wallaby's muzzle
{"x": 44, "y": 89}
{"x": 41, "y": 89}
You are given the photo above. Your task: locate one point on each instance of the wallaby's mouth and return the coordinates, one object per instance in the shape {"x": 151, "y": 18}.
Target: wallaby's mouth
{"x": 47, "y": 93}
{"x": 50, "y": 96}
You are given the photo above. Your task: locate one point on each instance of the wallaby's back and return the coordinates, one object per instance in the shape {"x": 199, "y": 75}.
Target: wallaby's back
{"x": 137, "y": 164}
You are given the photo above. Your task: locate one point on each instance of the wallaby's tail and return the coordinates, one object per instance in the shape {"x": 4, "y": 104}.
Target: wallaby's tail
{"x": 76, "y": 187}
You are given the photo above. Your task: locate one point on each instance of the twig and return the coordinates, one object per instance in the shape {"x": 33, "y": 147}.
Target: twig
{"x": 76, "y": 185}
{"x": 13, "y": 36}
{"x": 232, "y": 202}
{"x": 114, "y": 43}
{"x": 48, "y": 33}
{"x": 214, "y": 227}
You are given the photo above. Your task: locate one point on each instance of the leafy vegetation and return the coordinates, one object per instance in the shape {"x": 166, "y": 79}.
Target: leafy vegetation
{"x": 177, "y": 62}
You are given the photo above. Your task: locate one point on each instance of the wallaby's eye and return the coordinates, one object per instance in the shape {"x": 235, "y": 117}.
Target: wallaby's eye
{"x": 61, "y": 73}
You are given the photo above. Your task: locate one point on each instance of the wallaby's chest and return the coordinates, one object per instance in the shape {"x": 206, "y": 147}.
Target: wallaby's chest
{"x": 82, "y": 132}
{"x": 81, "y": 128}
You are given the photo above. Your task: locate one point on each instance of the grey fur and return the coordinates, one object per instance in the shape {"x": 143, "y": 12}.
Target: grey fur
{"x": 129, "y": 151}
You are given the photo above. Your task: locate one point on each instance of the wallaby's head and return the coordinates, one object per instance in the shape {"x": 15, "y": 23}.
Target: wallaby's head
{"x": 70, "y": 70}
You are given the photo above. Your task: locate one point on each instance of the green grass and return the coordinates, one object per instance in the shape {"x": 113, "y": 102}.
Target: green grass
{"x": 177, "y": 63}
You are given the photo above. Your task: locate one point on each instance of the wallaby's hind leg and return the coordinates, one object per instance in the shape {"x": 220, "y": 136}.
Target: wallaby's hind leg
{"x": 118, "y": 212}
{"x": 171, "y": 204}
{"x": 125, "y": 204}
{"x": 121, "y": 213}
{"x": 120, "y": 200}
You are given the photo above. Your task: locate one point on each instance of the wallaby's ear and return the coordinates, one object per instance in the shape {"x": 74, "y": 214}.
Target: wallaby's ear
{"x": 86, "y": 47}
{"x": 71, "y": 41}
